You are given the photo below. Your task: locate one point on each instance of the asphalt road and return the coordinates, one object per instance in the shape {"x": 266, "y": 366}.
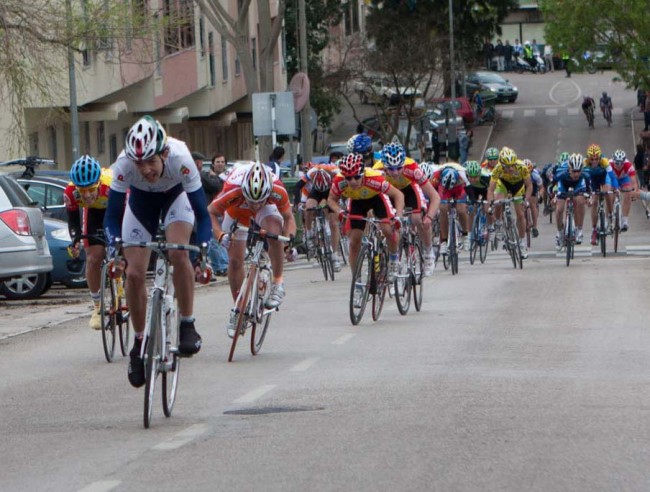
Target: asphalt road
{"x": 533, "y": 379}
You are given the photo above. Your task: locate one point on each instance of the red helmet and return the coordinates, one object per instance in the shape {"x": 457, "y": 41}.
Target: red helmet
{"x": 351, "y": 165}
{"x": 321, "y": 180}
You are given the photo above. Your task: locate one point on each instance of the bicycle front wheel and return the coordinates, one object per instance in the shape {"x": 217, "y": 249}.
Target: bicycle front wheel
{"x": 263, "y": 316}
{"x": 402, "y": 282}
{"x": 617, "y": 225}
{"x": 453, "y": 249}
{"x": 569, "y": 239}
{"x": 344, "y": 248}
{"x": 484, "y": 238}
{"x": 172, "y": 363}
{"x": 381, "y": 281}
{"x": 152, "y": 356}
{"x": 243, "y": 308}
{"x": 602, "y": 232}
{"x": 107, "y": 309}
{"x": 474, "y": 244}
{"x": 360, "y": 288}
{"x": 417, "y": 264}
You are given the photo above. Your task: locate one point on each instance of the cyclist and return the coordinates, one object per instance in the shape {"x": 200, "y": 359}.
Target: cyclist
{"x": 451, "y": 180}
{"x": 88, "y": 191}
{"x": 164, "y": 186}
{"x": 491, "y": 158}
{"x": 601, "y": 178}
{"x": 479, "y": 180}
{"x": 606, "y": 103}
{"x": 626, "y": 177}
{"x": 361, "y": 143}
{"x": 511, "y": 177}
{"x": 252, "y": 192}
{"x": 404, "y": 174}
{"x": 367, "y": 190}
{"x": 588, "y": 104}
{"x": 538, "y": 184}
{"x": 318, "y": 181}
{"x": 571, "y": 174}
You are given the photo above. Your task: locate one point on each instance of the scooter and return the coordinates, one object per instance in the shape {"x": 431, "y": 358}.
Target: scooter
{"x": 541, "y": 66}
{"x": 522, "y": 66}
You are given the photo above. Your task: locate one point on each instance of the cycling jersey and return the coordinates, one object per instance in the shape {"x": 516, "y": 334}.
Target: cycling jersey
{"x": 510, "y": 174}
{"x": 373, "y": 183}
{"x": 486, "y": 165}
{"x": 601, "y": 174}
{"x": 458, "y": 191}
{"x": 91, "y": 220}
{"x": 565, "y": 180}
{"x": 73, "y": 199}
{"x": 605, "y": 102}
{"x": 624, "y": 173}
{"x": 484, "y": 180}
{"x": 411, "y": 173}
{"x": 305, "y": 183}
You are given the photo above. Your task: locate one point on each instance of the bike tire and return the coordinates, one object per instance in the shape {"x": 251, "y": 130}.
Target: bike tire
{"x": 242, "y": 307}
{"x": 453, "y": 250}
{"x": 402, "y": 283}
{"x": 445, "y": 260}
{"x": 170, "y": 356}
{"x": 344, "y": 249}
{"x": 474, "y": 243}
{"x": 260, "y": 327}
{"x": 602, "y": 233}
{"x": 417, "y": 281}
{"x": 529, "y": 225}
{"x": 381, "y": 280}
{"x": 107, "y": 310}
{"x": 362, "y": 278}
{"x": 152, "y": 356}
{"x": 617, "y": 225}
{"x": 484, "y": 239}
{"x": 569, "y": 240}
{"x": 123, "y": 320}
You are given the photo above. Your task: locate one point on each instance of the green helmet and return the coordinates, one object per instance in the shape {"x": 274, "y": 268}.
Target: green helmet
{"x": 473, "y": 169}
{"x": 492, "y": 154}
{"x": 564, "y": 156}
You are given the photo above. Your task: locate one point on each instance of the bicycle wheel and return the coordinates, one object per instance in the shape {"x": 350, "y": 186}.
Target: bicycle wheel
{"x": 484, "y": 238}
{"x": 568, "y": 235}
{"x": 453, "y": 249}
{"x": 344, "y": 248}
{"x": 617, "y": 225}
{"x": 402, "y": 284}
{"x": 529, "y": 225}
{"x": 381, "y": 281}
{"x": 417, "y": 270}
{"x": 122, "y": 317}
{"x": 107, "y": 305}
{"x": 152, "y": 356}
{"x": 263, "y": 316}
{"x": 474, "y": 244}
{"x": 360, "y": 288}
{"x": 602, "y": 232}
{"x": 172, "y": 362}
{"x": 243, "y": 307}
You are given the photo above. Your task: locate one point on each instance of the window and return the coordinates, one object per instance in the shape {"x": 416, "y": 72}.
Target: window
{"x": 33, "y": 144}
{"x": 213, "y": 74}
{"x": 112, "y": 147}
{"x": 179, "y": 33}
{"x": 202, "y": 35}
{"x": 101, "y": 137}
{"x": 51, "y": 134}
{"x": 351, "y": 14}
{"x": 224, "y": 57}
{"x": 105, "y": 41}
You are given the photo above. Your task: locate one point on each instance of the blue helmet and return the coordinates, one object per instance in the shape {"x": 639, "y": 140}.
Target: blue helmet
{"x": 393, "y": 156}
{"x": 450, "y": 178}
{"x": 86, "y": 171}
{"x": 361, "y": 143}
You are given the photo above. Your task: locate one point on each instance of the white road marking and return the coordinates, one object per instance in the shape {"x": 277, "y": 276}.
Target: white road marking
{"x": 104, "y": 486}
{"x": 641, "y": 249}
{"x": 341, "y": 340}
{"x": 251, "y": 396}
{"x": 551, "y": 112}
{"x": 556, "y": 85}
{"x": 573, "y": 111}
{"x": 529, "y": 112}
{"x": 182, "y": 438}
{"x": 304, "y": 365}
{"x": 507, "y": 113}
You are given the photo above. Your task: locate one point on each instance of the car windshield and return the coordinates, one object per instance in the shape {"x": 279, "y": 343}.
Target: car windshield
{"x": 491, "y": 78}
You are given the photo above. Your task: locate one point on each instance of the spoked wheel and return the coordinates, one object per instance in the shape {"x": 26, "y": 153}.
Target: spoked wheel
{"x": 344, "y": 248}
{"x": 122, "y": 317}
{"x": 107, "y": 309}
{"x": 381, "y": 282}
{"x": 322, "y": 260}
{"x": 360, "y": 288}
{"x": 475, "y": 242}
{"x": 445, "y": 260}
{"x": 514, "y": 246}
{"x": 602, "y": 233}
{"x": 453, "y": 250}
{"x": 484, "y": 236}
{"x": 152, "y": 357}
{"x": 569, "y": 240}
{"x": 417, "y": 271}
{"x": 263, "y": 315}
{"x": 529, "y": 225}
{"x": 258, "y": 334}
{"x": 402, "y": 284}
{"x": 330, "y": 263}
{"x": 242, "y": 307}
{"x": 617, "y": 227}
{"x": 173, "y": 362}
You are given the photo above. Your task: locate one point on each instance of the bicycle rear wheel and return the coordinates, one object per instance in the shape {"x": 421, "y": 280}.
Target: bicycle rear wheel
{"x": 242, "y": 306}
{"x": 402, "y": 282}
{"x": 360, "y": 288}
{"x": 172, "y": 363}
{"x": 107, "y": 305}
{"x": 381, "y": 282}
{"x": 417, "y": 265}
{"x": 152, "y": 356}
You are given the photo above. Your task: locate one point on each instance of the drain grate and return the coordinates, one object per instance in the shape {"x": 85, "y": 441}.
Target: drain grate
{"x": 268, "y": 410}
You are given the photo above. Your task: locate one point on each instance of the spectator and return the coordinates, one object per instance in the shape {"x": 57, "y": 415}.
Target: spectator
{"x": 335, "y": 156}
{"x": 639, "y": 164}
{"x": 508, "y": 51}
{"x": 219, "y": 166}
{"x": 548, "y": 58}
{"x": 477, "y": 100}
{"x": 275, "y": 159}
{"x": 463, "y": 145}
{"x": 210, "y": 181}
{"x": 488, "y": 53}
{"x": 640, "y": 99}
{"x": 500, "y": 56}
{"x": 566, "y": 59}
{"x": 646, "y": 111}
{"x": 518, "y": 50}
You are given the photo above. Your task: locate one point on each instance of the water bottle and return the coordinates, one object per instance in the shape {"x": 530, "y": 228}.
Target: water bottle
{"x": 376, "y": 263}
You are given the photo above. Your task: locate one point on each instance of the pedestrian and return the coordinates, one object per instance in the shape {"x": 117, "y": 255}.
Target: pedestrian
{"x": 640, "y": 99}
{"x": 548, "y": 58}
{"x": 508, "y": 51}
{"x": 639, "y": 164}
{"x": 518, "y": 50}
{"x": 500, "y": 56}
{"x": 646, "y": 111}
{"x": 478, "y": 106}
{"x": 274, "y": 161}
{"x": 210, "y": 181}
{"x": 566, "y": 59}
{"x": 488, "y": 53}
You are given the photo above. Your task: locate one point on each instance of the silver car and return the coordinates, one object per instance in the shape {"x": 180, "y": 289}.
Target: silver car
{"x": 23, "y": 247}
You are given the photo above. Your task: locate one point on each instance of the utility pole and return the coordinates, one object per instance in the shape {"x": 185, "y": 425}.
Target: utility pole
{"x": 72, "y": 86}
{"x": 451, "y": 49}
{"x": 305, "y": 126}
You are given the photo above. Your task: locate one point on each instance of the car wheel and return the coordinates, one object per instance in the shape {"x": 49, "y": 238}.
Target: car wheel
{"x": 24, "y": 287}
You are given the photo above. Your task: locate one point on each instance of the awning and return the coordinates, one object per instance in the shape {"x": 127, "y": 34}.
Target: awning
{"x": 172, "y": 116}
{"x": 102, "y": 111}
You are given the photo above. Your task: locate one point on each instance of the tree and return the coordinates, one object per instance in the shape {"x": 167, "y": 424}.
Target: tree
{"x": 621, "y": 29}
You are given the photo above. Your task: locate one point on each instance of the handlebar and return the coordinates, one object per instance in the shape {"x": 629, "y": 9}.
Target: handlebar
{"x": 260, "y": 232}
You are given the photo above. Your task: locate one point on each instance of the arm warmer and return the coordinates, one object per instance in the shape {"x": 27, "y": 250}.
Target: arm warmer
{"x": 203, "y": 223}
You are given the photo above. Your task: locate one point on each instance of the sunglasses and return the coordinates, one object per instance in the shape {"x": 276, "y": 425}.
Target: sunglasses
{"x": 88, "y": 189}
{"x": 353, "y": 178}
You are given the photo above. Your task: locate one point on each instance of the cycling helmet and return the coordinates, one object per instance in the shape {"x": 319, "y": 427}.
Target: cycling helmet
{"x": 619, "y": 156}
{"x": 450, "y": 178}
{"x": 393, "y": 156}
{"x": 428, "y": 169}
{"x": 360, "y": 143}
{"x": 564, "y": 156}
{"x": 145, "y": 139}
{"x": 257, "y": 183}
{"x": 492, "y": 154}
{"x": 594, "y": 150}
{"x": 473, "y": 169}
{"x": 507, "y": 156}
{"x": 321, "y": 180}
{"x": 605, "y": 94}
{"x": 529, "y": 164}
{"x": 576, "y": 162}
{"x": 351, "y": 165}
{"x": 85, "y": 172}
{"x": 550, "y": 172}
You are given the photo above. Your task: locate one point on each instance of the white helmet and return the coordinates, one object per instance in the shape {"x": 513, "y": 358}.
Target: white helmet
{"x": 258, "y": 183}
{"x": 576, "y": 162}
{"x": 145, "y": 139}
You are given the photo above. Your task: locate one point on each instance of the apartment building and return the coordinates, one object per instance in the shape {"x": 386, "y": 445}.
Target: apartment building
{"x": 190, "y": 79}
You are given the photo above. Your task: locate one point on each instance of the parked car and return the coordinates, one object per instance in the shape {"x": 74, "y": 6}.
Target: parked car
{"x": 460, "y": 105}
{"x": 493, "y": 82}
{"x": 23, "y": 246}
{"x": 376, "y": 88}
{"x": 47, "y": 190}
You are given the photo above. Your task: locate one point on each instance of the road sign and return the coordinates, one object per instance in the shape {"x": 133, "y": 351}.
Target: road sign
{"x": 273, "y": 114}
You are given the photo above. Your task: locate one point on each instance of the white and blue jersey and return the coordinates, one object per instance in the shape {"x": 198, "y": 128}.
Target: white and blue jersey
{"x": 565, "y": 181}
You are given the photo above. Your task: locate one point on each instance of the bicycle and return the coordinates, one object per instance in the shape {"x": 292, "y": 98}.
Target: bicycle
{"x": 549, "y": 204}
{"x": 408, "y": 280}
{"x": 607, "y": 114}
{"x": 371, "y": 272}
{"x": 255, "y": 290}
{"x": 450, "y": 260}
{"x": 511, "y": 233}
{"x": 617, "y": 216}
{"x": 528, "y": 214}
{"x": 160, "y": 338}
{"x": 589, "y": 113}
{"x": 480, "y": 233}
{"x": 602, "y": 221}
{"x": 323, "y": 241}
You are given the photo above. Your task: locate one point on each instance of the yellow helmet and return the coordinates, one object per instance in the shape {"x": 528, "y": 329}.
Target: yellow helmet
{"x": 594, "y": 150}
{"x": 507, "y": 156}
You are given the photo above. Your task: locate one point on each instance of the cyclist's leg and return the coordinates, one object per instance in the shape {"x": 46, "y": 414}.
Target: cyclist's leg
{"x": 269, "y": 218}
{"x": 236, "y": 252}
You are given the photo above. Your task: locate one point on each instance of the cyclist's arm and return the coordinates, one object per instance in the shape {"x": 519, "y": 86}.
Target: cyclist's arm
{"x": 434, "y": 199}
{"x": 200, "y": 207}
{"x": 289, "y": 226}
{"x": 490, "y": 192}
{"x": 529, "y": 188}
{"x": 298, "y": 190}
{"x": 397, "y": 197}
{"x": 333, "y": 201}
{"x": 113, "y": 216}
{"x": 215, "y": 216}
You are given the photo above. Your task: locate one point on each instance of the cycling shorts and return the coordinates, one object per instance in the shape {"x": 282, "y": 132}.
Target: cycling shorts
{"x": 578, "y": 187}
{"x": 413, "y": 197}
{"x": 457, "y": 193}
{"x": 624, "y": 182}
{"x": 379, "y": 204}
{"x": 514, "y": 189}
{"x": 92, "y": 224}
{"x": 319, "y": 196}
